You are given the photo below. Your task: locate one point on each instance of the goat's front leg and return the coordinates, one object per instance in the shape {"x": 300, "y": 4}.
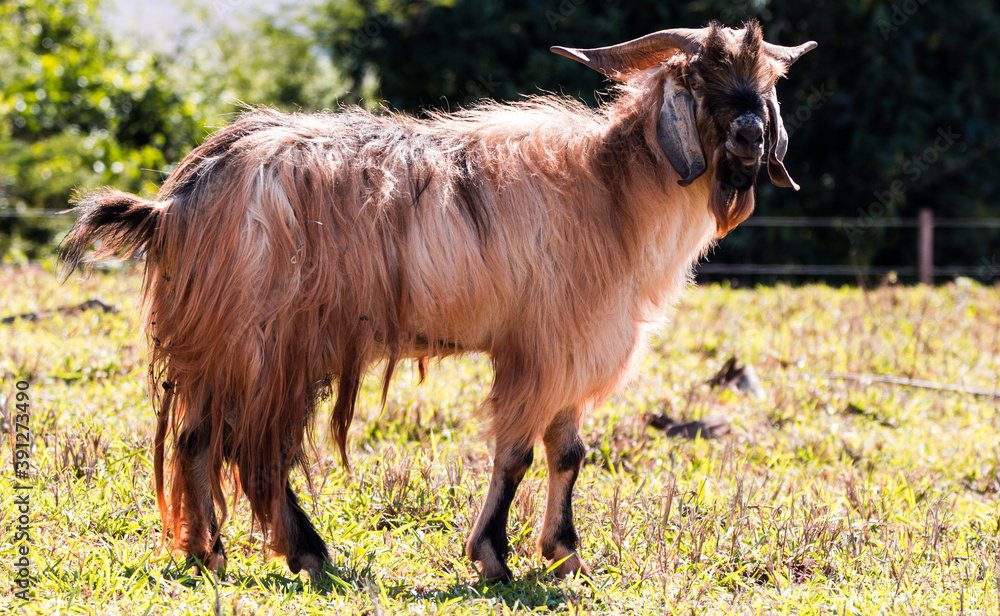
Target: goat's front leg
{"x": 564, "y": 453}
{"x": 487, "y": 545}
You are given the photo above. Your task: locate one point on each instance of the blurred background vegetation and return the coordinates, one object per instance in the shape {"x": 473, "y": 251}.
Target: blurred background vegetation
{"x": 84, "y": 104}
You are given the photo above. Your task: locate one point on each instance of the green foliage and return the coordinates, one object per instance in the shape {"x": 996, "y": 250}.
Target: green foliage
{"x": 236, "y": 59}
{"x": 829, "y": 496}
{"x": 80, "y": 108}
{"x": 78, "y": 111}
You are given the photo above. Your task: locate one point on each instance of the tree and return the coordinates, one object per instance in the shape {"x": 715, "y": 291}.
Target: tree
{"x": 80, "y": 108}
{"x": 76, "y": 111}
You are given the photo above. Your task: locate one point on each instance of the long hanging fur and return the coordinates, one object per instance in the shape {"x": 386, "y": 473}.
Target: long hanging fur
{"x": 289, "y": 252}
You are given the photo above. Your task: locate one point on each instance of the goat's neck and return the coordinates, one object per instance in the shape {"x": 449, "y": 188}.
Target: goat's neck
{"x": 679, "y": 230}
{"x": 672, "y": 229}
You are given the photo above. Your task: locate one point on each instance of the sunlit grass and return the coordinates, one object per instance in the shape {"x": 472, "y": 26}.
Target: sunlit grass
{"x": 828, "y": 497}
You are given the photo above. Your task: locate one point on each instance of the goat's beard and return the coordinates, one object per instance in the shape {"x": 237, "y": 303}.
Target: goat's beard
{"x": 731, "y": 199}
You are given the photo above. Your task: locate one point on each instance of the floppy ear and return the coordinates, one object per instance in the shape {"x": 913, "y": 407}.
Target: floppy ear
{"x": 779, "y": 145}
{"x": 677, "y": 133}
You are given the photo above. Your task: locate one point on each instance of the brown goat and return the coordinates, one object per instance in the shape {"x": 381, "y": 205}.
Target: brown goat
{"x": 289, "y": 252}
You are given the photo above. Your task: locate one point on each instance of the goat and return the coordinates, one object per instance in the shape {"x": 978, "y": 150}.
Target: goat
{"x": 288, "y": 253}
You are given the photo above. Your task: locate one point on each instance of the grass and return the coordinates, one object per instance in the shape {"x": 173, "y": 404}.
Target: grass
{"x": 828, "y": 496}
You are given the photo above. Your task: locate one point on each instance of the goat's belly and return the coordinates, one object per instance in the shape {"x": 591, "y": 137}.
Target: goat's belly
{"x": 448, "y": 336}
{"x": 454, "y": 302}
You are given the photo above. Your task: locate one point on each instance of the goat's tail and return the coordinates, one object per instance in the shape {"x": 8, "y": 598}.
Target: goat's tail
{"x": 123, "y": 221}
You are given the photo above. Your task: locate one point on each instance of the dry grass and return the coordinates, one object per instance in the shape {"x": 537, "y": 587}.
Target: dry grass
{"x": 827, "y": 497}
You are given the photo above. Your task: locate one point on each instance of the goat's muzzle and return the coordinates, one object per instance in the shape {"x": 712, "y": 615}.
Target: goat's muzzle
{"x": 745, "y": 144}
{"x": 744, "y": 151}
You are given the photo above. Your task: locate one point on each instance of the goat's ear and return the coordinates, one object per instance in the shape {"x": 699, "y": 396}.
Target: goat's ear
{"x": 779, "y": 145}
{"x": 677, "y": 133}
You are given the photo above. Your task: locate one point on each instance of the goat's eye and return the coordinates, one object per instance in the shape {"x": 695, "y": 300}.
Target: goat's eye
{"x": 695, "y": 85}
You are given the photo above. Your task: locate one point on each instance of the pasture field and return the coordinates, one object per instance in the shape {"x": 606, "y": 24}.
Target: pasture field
{"x": 828, "y": 496}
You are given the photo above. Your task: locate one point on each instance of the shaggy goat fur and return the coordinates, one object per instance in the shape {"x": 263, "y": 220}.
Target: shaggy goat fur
{"x": 289, "y": 253}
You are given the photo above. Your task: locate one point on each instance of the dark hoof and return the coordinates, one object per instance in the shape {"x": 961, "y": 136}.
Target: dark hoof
{"x": 501, "y": 575}
{"x": 313, "y": 565}
{"x": 492, "y": 569}
{"x": 573, "y": 565}
{"x": 214, "y": 562}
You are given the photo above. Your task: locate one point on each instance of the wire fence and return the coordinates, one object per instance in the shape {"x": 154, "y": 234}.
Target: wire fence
{"x": 926, "y": 271}
{"x": 752, "y": 269}
{"x": 840, "y": 223}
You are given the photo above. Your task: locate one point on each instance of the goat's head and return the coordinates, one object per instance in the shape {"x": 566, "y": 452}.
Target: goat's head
{"x": 718, "y": 99}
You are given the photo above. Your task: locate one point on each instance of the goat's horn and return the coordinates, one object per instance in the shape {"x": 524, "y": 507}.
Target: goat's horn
{"x": 638, "y": 54}
{"x": 788, "y": 55}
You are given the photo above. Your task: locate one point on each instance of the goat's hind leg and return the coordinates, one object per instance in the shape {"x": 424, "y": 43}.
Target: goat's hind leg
{"x": 199, "y": 535}
{"x": 292, "y": 534}
{"x": 305, "y": 549}
{"x": 564, "y": 453}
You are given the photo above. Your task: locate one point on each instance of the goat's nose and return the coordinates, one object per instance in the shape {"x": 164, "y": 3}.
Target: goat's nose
{"x": 750, "y": 134}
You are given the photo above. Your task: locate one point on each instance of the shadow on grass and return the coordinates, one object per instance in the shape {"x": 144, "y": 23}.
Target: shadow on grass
{"x": 538, "y": 588}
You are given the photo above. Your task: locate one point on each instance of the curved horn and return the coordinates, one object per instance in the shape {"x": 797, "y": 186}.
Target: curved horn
{"x": 788, "y": 55}
{"x": 638, "y": 54}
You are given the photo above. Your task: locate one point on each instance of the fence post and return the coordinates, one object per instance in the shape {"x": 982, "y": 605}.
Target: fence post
{"x": 926, "y": 246}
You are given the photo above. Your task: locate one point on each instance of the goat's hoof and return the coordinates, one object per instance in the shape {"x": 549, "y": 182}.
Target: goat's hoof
{"x": 570, "y": 563}
{"x": 496, "y": 573}
{"x": 313, "y": 564}
{"x": 491, "y": 568}
{"x": 573, "y": 565}
{"x": 214, "y": 562}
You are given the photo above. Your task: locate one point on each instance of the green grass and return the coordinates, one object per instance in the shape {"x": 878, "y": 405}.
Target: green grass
{"x": 828, "y": 497}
